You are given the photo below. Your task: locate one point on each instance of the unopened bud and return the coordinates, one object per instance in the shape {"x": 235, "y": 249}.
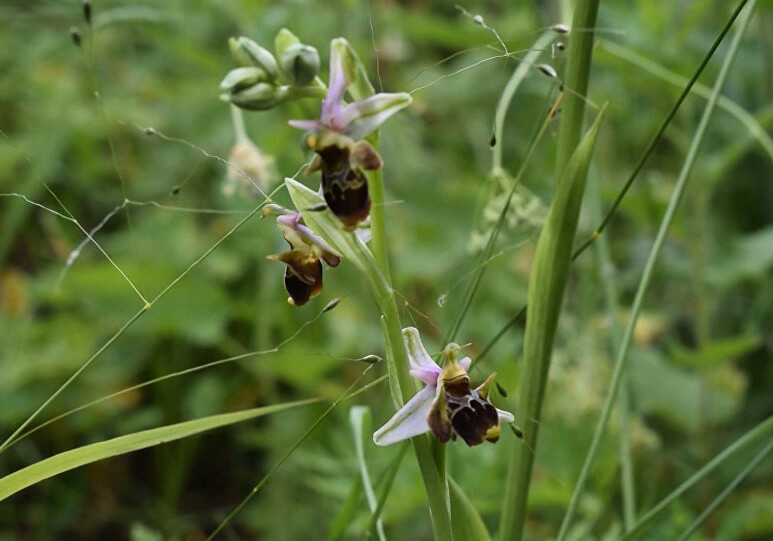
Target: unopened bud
{"x": 257, "y": 56}
{"x": 284, "y": 39}
{"x": 87, "y": 11}
{"x": 478, "y": 19}
{"x": 560, "y": 28}
{"x": 300, "y": 63}
{"x": 548, "y": 70}
{"x": 240, "y": 78}
{"x": 258, "y": 97}
{"x": 75, "y": 35}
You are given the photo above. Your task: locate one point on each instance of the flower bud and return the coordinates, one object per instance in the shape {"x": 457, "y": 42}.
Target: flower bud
{"x": 256, "y": 56}
{"x": 241, "y": 78}
{"x": 283, "y": 40}
{"x": 300, "y": 63}
{"x": 257, "y": 97}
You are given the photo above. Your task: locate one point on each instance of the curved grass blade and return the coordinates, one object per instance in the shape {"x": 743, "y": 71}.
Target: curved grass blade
{"x": 386, "y": 481}
{"x": 49, "y": 467}
{"x": 359, "y": 418}
{"x": 348, "y": 393}
{"x": 665, "y": 224}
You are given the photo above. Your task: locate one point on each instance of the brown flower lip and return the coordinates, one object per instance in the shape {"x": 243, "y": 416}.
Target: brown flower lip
{"x": 303, "y": 275}
{"x": 343, "y": 163}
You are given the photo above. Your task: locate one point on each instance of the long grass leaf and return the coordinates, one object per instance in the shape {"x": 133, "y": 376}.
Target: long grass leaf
{"x": 49, "y": 467}
{"x": 359, "y": 418}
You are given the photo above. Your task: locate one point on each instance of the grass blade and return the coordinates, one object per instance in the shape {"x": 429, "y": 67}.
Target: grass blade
{"x": 668, "y": 218}
{"x": 18, "y": 480}
{"x": 359, "y": 417}
{"x": 546, "y": 290}
{"x": 465, "y": 519}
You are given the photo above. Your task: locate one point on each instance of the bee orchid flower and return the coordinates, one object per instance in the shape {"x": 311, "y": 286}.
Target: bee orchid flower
{"x": 447, "y": 406}
{"x": 341, "y": 152}
{"x": 303, "y": 275}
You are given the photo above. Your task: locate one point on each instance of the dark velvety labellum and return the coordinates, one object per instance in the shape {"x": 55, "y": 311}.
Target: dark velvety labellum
{"x": 345, "y": 189}
{"x": 472, "y": 417}
{"x": 302, "y": 290}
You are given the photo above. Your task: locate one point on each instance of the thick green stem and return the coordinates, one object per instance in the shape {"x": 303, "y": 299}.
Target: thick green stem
{"x": 535, "y": 373}
{"x": 576, "y": 78}
{"x": 668, "y": 218}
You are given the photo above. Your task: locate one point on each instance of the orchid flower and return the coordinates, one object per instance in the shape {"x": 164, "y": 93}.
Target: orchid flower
{"x": 446, "y": 406}
{"x": 341, "y": 153}
{"x": 303, "y": 276}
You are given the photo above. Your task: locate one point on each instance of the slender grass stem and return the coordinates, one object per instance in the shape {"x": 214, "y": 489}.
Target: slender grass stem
{"x": 402, "y": 385}
{"x": 655, "y": 138}
{"x": 611, "y": 296}
{"x": 657, "y": 246}
{"x": 639, "y": 165}
{"x": 507, "y": 94}
{"x": 762, "y": 430}
{"x": 716, "y": 502}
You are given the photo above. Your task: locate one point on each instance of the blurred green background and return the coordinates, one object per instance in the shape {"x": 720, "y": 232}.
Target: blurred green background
{"x": 701, "y": 371}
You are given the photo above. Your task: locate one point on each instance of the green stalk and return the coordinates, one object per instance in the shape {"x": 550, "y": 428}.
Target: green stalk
{"x": 400, "y": 380}
{"x": 552, "y": 261}
{"x": 668, "y": 218}
{"x": 580, "y": 50}
{"x": 401, "y": 384}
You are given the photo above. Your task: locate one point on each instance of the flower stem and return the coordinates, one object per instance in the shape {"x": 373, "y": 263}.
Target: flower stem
{"x": 401, "y": 384}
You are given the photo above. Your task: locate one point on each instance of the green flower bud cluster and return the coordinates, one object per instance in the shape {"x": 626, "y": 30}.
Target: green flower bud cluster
{"x": 263, "y": 82}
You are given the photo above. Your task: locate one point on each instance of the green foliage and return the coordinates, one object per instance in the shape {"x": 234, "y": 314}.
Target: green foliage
{"x": 700, "y": 371}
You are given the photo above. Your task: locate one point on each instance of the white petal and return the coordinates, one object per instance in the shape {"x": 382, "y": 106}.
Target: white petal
{"x": 306, "y": 125}
{"x": 422, "y": 365}
{"x": 505, "y": 416}
{"x": 409, "y": 421}
{"x": 360, "y": 118}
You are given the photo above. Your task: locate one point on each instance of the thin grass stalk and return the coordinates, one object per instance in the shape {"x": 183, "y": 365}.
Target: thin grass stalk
{"x": 716, "y": 502}
{"x": 535, "y": 372}
{"x": 611, "y": 296}
{"x": 639, "y": 164}
{"x": 762, "y": 430}
{"x": 657, "y": 246}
